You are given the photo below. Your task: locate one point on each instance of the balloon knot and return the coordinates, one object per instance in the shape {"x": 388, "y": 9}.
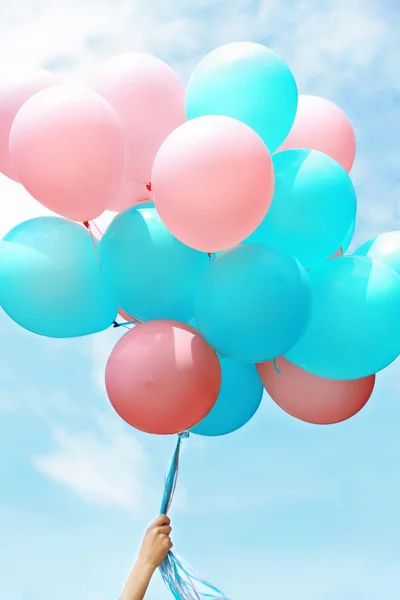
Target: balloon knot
{"x": 86, "y": 224}
{"x": 183, "y": 435}
{"x": 148, "y": 186}
{"x": 116, "y": 324}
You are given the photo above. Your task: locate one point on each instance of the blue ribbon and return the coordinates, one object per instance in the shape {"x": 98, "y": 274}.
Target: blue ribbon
{"x": 181, "y": 581}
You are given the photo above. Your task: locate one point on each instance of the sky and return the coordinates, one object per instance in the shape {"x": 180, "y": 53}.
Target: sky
{"x": 279, "y": 510}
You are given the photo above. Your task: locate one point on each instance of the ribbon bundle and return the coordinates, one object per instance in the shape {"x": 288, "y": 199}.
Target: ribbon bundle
{"x": 181, "y": 581}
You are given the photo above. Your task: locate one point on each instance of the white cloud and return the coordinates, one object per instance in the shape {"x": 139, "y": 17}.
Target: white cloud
{"x": 104, "y": 466}
{"x": 99, "y": 349}
{"x": 313, "y": 34}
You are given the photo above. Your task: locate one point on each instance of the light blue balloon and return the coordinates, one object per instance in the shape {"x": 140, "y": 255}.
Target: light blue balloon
{"x": 253, "y": 303}
{"x": 247, "y": 82}
{"x": 355, "y": 325}
{"x": 150, "y": 273}
{"x": 313, "y": 208}
{"x": 50, "y": 279}
{"x": 239, "y": 398}
{"x": 385, "y": 248}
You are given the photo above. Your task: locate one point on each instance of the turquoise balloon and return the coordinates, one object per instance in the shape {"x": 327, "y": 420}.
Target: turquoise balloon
{"x": 247, "y": 82}
{"x": 355, "y": 325}
{"x": 349, "y": 238}
{"x": 238, "y": 401}
{"x": 50, "y": 279}
{"x": 150, "y": 274}
{"x": 313, "y": 208}
{"x": 253, "y": 303}
{"x": 385, "y": 248}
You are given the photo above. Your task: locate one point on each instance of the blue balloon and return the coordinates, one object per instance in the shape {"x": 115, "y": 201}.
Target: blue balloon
{"x": 239, "y": 398}
{"x": 385, "y": 248}
{"x": 253, "y": 303}
{"x": 150, "y": 273}
{"x": 355, "y": 325}
{"x": 313, "y": 208}
{"x": 247, "y": 82}
{"x": 50, "y": 279}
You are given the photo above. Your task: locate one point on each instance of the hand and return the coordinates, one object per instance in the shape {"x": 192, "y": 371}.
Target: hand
{"x": 156, "y": 543}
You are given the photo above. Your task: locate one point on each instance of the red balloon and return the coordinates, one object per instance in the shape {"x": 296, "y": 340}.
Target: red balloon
{"x": 125, "y": 315}
{"x": 162, "y": 377}
{"x": 311, "y": 398}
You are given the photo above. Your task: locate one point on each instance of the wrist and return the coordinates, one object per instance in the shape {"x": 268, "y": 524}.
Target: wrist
{"x": 145, "y": 567}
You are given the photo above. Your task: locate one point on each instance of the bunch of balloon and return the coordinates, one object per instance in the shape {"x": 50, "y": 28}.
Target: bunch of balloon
{"x": 216, "y": 220}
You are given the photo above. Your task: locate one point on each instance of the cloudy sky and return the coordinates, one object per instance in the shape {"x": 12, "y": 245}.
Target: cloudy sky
{"x": 280, "y": 510}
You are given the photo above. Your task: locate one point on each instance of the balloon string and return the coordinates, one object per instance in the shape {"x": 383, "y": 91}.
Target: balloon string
{"x": 125, "y": 324}
{"x": 97, "y": 227}
{"x": 277, "y": 368}
{"x": 171, "y": 479}
{"x": 182, "y": 582}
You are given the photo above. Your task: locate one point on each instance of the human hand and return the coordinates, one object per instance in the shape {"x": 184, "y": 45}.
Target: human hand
{"x": 156, "y": 543}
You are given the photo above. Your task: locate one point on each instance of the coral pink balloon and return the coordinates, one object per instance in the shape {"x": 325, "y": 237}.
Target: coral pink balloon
{"x": 212, "y": 182}
{"x": 311, "y": 398}
{"x": 321, "y": 125}
{"x": 338, "y": 253}
{"x": 131, "y": 193}
{"x": 124, "y": 315}
{"x": 162, "y": 377}
{"x": 150, "y": 99}
{"x": 15, "y": 89}
{"x": 68, "y": 148}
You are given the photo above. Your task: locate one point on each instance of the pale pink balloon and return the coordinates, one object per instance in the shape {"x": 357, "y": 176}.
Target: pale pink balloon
{"x": 212, "y": 182}
{"x": 321, "y": 125}
{"x": 68, "y": 148}
{"x": 162, "y": 377}
{"x": 15, "y": 89}
{"x": 150, "y": 99}
{"x": 311, "y": 398}
{"x": 131, "y": 193}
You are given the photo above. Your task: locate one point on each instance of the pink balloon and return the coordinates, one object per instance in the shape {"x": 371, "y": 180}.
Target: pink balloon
{"x": 162, "y": 377}
{"x": 150, "y": 99}
{"x": 15, "y": 90}
{"x": 131, "y": 193}
{"x": 67, "y": 145}
{"x": 321, "y": 125}
{"x": 311, "y": 398}
{"x": 212, "y": 182}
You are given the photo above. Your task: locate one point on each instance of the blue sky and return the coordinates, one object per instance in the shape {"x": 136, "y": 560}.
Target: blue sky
{"x": 279, "y": 510}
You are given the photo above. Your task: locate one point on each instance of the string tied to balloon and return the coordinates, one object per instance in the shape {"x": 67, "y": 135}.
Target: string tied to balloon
{"x": 125, "y": 324}
{"x": 182, "y": 582}
{"x": 148, "y": 186}
{"x": 277, "y": 369}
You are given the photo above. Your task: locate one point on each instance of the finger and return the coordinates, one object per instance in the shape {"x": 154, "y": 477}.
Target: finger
{"x": 161, "y": 521}
{"x": 165, "y": 530}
